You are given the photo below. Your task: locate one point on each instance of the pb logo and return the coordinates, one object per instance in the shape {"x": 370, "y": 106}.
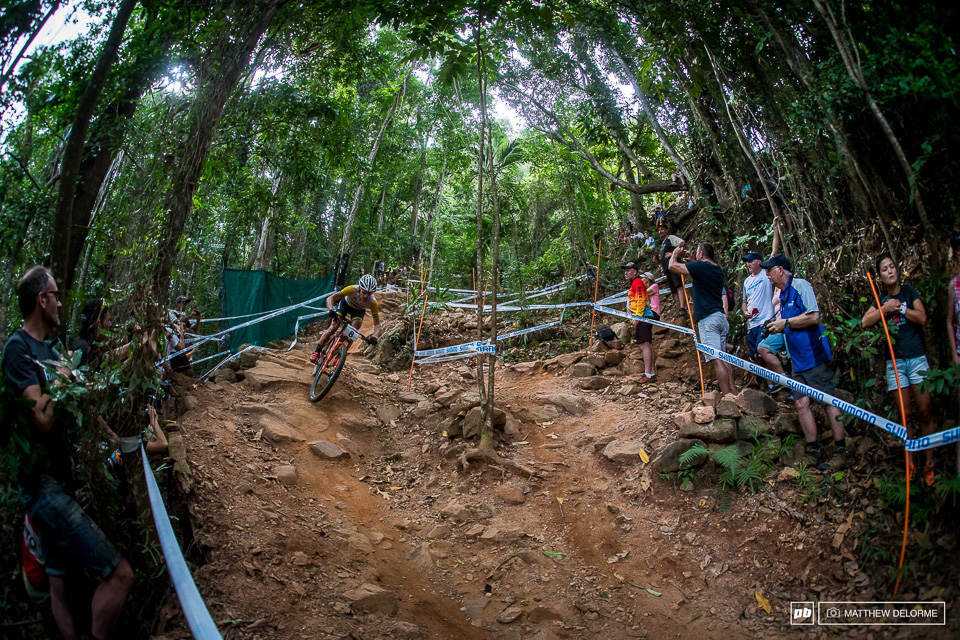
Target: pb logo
{"x": 801, "y": 613}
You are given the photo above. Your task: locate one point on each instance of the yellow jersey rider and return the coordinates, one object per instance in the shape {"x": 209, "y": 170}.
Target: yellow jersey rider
{"x": 350, "y": 304}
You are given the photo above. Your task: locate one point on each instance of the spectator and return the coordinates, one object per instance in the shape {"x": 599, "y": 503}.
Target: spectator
{"x": 953, "y": 317}
{"x": 178, "y": 317}
{"x": 653, "y": 291}
{"x": 810, "y": 351}
{"x": 709, "y": 307}
{"x": 639, "y": 305}
{"x": 757, "y": 306}
{"x": 669, "y": 243}
{"x": 94, "y": 318}
{"x": 906, "y": 315}
{"x": 46, "y": 482}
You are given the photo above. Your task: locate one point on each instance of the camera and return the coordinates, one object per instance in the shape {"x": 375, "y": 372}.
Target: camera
{"x": 765, "y": 330}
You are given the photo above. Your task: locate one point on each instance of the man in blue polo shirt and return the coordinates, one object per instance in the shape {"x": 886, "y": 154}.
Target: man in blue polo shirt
{"x": 810, "y": 351}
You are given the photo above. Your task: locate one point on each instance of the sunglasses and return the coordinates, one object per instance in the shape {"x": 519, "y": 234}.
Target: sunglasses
{"x": 55, "y": 294}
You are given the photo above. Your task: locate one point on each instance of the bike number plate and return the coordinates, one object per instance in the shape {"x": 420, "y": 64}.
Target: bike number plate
{"x": 351, "y": 332}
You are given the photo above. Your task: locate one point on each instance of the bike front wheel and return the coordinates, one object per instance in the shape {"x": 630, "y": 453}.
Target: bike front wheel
{"x": 327, "y": 373}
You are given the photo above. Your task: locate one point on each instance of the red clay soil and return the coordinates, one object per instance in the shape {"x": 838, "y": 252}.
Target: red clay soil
{"x": 583, "y": 548}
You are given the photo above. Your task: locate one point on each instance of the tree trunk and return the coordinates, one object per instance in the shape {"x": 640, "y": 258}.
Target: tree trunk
{"x": 265, "y": 249}
{"x": 855, "y": 73}
{"x": 26, "y": 45}
{"x": 371, "y": 157}
{"x": 63, "y": 222}
{"x": 211, "y": 99}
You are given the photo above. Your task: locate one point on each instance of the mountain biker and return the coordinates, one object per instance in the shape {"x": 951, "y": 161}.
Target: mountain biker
{"x": 350, "y": 304}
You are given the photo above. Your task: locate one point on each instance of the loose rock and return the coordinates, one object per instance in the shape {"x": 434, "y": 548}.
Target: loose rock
{"x": 328, "y": 451}
{"x": 373, "y": 599}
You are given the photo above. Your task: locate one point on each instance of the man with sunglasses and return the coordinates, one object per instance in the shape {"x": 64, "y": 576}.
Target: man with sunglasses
{"x": 810, "y": 350}
{"x": 350, "y": 304}
{"x": 46, "y": 472}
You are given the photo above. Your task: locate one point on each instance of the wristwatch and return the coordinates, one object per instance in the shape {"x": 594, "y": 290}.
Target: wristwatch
{"x": 903, "y": 308}
{"x": 786, "y": 324}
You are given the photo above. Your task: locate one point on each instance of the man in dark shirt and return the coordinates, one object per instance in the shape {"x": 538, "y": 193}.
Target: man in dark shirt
{"x": 709, "y": 307}
{"x": 669, "y": 243}
{"x": 47, "y": 486}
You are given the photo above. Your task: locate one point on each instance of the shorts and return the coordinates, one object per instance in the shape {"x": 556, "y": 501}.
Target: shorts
{"x": 776, "y": 343}
{"x": 908, "y": 370}
{"x": 753, "y": 340}
{"x": 713, "y": 333}
{"x": 819, "y": 377}
{"x": 643, "y": 331}
{"x": 349, "y": 312}
{"x": 676, "y": 285}
{"x": 71, "y": 537}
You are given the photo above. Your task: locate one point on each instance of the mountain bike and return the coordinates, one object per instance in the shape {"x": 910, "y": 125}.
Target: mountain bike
{"x": 328, "y": 367}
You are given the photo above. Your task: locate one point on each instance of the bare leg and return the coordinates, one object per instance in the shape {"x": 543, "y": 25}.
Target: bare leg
{"x": 325, "y": 338}
{"x": 907, "y": 407}
{"x": 833, "y": 419}
{"x": 807, "y": 422}
{"x": 108, "y": 600}
{"x": 61, "y": 611}
{"x": 649, "y": 361}
{"x": 724, "y": 373}
{"x": 770, "y": 359}
{"x": 927, "y": 425}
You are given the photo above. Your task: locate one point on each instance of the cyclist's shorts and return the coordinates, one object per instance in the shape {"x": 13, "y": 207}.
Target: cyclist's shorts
{"x": 349, "y": 312}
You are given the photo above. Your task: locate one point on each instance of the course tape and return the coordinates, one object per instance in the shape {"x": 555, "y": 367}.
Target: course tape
{"x": 194, "y": 609}
{"x": 272, "y": 314}
{"x": 232, "y": 357}
{"x": 296, "y": 326}
{"x": 477, "y": 346}
{"x": 898, "y": 430}
{"x": 630, "y": 316}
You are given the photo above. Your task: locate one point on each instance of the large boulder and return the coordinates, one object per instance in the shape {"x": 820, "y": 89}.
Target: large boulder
{"x": 624, "y": 331}
{"x": 668, "y": 458}
{"x": 582, "y": 370}
{"x": 623, "y": 451}
{"x": 471, "y": 422}
{"x": 756, "y": 403}
{"x": 613, "y": 358}
{"x": 728, "y": 409}
{"x": 373, "y": 599}
{"x": 598, "y": 360}
{"x": 594, "y": 383}
{"x": 326, "y": 450}
{"x": 787, "y": 423}
{"x": 574, "y": 405}
{"x": 753, "y": 426}
{"x": 721, "y": 430}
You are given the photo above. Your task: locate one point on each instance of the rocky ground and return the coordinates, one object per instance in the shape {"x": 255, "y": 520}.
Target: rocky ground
{"x": 352, "y": 518}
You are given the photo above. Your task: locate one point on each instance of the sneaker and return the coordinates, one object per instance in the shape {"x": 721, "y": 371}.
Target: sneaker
{"x": 929, "y": 477}
{"x": 774, "y": 388}
{"x": 837, "y": 462}
{"x": 646, "y": 380}
{"x": 314, "y": 357}
{"x": 811, "y": 458}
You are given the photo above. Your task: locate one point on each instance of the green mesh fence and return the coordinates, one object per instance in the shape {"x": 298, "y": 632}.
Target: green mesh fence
{"x": 246, "y": 292}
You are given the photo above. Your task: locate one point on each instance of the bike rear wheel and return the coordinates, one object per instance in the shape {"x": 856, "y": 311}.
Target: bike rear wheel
{"x": 326, "y": 374}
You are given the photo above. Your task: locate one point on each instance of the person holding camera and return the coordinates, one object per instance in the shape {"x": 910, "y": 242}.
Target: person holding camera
{"x": 710, "y": 306}
{"x": 810, "y": 351}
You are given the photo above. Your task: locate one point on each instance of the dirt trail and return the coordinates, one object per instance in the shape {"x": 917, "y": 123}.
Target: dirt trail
{"x": 584, "y": 548}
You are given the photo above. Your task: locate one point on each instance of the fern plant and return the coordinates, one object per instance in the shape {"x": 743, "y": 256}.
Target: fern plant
{"x": 736, "y": 470}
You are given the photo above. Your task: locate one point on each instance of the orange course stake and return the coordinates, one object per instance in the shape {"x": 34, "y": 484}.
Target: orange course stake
{"x": 903, "y": 416}
{"x": 596, "y": 289}
{"x": 416, "y": 341}
{"x": 683, "y": 288}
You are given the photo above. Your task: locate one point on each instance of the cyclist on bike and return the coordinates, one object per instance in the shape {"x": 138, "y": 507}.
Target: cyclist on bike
{"x": 349, "y": 305}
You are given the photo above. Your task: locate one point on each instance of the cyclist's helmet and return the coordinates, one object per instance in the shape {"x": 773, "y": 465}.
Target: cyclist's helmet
{"x": 367, "y": 283}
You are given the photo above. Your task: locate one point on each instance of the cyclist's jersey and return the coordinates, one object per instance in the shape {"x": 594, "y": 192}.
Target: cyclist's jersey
{"x": 352, "y": 300}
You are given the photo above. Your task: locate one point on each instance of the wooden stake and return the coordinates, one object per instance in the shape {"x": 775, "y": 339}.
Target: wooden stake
{"x": 683, "y": 288}
{"x": 596, "y": 289}
{"x": 903, "y": 416}
{"x": 416, "y": 341}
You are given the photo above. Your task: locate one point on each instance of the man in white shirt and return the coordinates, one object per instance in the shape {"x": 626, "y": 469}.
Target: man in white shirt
{"x": 758, "y": 307}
